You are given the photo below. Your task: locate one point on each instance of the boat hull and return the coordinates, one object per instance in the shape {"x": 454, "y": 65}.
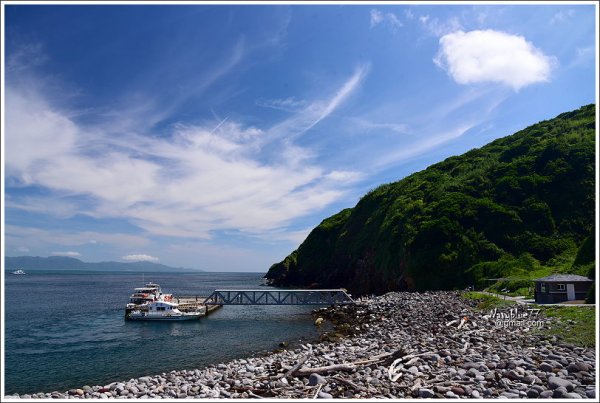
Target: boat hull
{"x": 173, "y": 318}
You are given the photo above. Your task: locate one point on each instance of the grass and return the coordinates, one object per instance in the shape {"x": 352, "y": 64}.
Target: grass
{"x": 519, "y": 281}
{"x": 487, "y": 302}
{"x": 572, "y": 325}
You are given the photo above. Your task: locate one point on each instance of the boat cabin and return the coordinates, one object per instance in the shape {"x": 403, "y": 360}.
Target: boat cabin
{"x": 162, "y": 306}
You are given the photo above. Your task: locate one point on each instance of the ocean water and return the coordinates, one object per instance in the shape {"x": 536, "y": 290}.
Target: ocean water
{"x": 67, "y": 329}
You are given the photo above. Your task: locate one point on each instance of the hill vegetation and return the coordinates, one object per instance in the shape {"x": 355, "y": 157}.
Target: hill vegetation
{"x": 519, "y": 207}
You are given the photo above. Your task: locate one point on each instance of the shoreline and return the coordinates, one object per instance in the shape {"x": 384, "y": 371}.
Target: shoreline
{"x": 398, "y": 345}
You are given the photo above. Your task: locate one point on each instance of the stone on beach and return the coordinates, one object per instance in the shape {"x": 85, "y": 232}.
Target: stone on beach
{"x": 431, "y": 358}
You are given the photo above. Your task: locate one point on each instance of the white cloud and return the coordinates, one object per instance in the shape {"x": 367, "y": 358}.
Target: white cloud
{"x": 493, "y": 56}
{"x": 188, "y": 182}
{"x": 140, "y": 258}
{"x": 23, "y": 249}
{"x": 67, "y": 254}
{"x": 390, "y": 19}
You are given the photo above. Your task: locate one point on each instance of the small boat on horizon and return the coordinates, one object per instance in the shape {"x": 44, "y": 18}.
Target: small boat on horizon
{"x": 18, "y": 272}
{"x": 150, "y": 303}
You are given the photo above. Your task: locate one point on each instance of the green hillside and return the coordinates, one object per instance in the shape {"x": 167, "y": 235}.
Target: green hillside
{"x": 519, "y": 206}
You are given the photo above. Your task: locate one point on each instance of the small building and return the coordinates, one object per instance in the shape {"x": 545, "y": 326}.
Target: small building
{"x": 561, "y": 287}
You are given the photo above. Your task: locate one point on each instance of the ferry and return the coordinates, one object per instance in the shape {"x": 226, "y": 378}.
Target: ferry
{"x": 19, "y": 271}
{"x": 150, "y": 303}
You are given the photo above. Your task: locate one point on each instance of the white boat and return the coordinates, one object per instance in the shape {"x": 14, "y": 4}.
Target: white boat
{"x": 165, "y": 311}
{"x": 150, "y": 303}
{"x": 19, "y": 271}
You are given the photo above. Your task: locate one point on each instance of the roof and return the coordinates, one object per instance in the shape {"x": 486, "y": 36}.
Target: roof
{"x": 562, "y": 278}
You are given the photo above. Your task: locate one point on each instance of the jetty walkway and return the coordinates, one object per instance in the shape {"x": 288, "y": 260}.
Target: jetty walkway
{"x": 279, "y": 297}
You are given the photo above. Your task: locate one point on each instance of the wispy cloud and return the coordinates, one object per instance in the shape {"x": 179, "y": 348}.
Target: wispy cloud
{"x": 67, "y": 254}
{"x": 290, "y": 104}
{"x": 583, "y": 55}
{"x": 437, "y": 27}
{"x": 42, "y": 238}
{"x": 26, "y": 57}
{"x": 192, "y": 181}
{"x": 562, "y": 16}
{"x": 397, "y": 156}
{"x": 389, "y": 19}
{"x": 366, "y": 125}
{"x": 324, "y": 110}
{"x": 444, "y": 123}
{"x": 493, "y": 56}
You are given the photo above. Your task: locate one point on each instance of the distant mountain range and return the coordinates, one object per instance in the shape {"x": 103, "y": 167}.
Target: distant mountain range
{"x": 69, "y": 263}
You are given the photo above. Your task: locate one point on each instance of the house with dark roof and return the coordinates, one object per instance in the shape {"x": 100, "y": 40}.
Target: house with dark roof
{"x": 561, "y": 287}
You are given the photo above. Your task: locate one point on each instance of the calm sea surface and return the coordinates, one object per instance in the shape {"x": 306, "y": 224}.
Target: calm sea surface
{"x": 64, "y": 329}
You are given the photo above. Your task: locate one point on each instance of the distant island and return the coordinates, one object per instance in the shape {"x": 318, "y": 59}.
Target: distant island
{"x": 518, "y": 208}
{"x": 69, "y": 263}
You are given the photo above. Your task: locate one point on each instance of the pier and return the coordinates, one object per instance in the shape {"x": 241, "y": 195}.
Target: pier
{"x": 279, "y": 297}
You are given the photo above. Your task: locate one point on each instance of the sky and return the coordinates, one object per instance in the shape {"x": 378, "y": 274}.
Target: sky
{"x": 216, "y": 137}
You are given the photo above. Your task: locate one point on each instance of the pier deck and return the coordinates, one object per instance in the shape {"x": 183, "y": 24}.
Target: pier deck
{"x": 279, "y": 297}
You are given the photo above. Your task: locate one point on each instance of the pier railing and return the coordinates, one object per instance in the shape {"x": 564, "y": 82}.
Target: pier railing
{"x": 279, "y": 297}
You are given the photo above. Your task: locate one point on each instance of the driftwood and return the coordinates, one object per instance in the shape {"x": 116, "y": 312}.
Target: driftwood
{"x": 409, "y": 356}
{"x": 317, "y": 392}
{"x": 254, "y": 395}
{"x": 394, "y": 373}
{"x": 380, "y": 357}
{"x": 453, "y": 341}
{"x": 295, "y": 368}
{"x": 305, "y": 371}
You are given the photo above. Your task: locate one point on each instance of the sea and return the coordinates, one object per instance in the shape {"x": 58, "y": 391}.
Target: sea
{"x": 66, "y": 329}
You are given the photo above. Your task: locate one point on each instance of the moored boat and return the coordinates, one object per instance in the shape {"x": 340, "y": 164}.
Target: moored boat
{"x": 164, "y": 310}
{"x": 150, "y": 303}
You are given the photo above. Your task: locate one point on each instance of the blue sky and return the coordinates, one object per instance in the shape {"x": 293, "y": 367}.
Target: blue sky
{"x": 217, "y": 136}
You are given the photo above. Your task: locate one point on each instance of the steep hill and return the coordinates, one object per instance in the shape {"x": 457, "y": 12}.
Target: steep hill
{"x": 517, "y": 203}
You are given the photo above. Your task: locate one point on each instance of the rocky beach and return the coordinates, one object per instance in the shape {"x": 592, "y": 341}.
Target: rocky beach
{"x": 398, "y": 345}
